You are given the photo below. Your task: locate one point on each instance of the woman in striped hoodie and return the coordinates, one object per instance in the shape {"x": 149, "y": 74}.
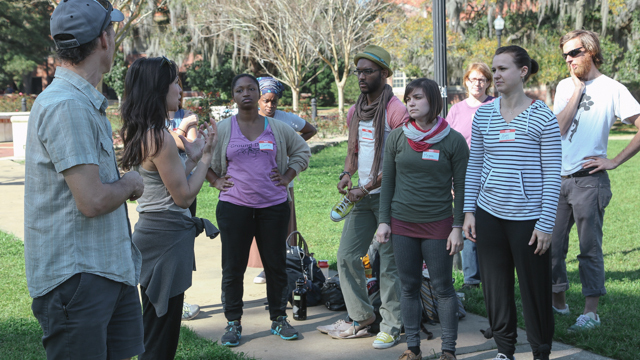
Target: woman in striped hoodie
{"x": 512, "y": 187}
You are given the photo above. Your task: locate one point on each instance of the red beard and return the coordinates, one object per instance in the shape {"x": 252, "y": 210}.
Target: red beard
{"x": 583, "y": 69}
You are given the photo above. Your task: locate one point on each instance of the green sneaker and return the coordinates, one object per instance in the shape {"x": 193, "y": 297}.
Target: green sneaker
{"x": 384, "y": 341}
{"x": 585, "y": 322}
{"x": 341, "y": 209}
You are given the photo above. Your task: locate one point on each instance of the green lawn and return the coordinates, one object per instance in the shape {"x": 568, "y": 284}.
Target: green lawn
{"x": 20, "y": 333}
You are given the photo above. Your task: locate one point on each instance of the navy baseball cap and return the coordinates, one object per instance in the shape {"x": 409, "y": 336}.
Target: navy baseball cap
{"x": 85, "y": 20}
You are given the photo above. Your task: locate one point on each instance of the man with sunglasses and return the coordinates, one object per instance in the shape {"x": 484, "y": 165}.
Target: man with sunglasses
{"x": 370, "y": 120}
{"x": 586, "y": 105}
{"x": 82, "y": 267}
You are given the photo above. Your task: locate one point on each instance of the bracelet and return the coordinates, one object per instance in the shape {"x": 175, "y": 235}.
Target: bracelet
{"x": 342, "y": 174}
{"x": 181, "y": 130}
{"x": 364, "y": 190}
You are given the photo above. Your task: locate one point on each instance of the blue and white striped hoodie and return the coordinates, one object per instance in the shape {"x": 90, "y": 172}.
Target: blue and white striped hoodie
{"x": 517, "y": 178}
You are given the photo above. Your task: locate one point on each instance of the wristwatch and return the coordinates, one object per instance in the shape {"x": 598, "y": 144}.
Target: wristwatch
{"x": 344, "y": 173}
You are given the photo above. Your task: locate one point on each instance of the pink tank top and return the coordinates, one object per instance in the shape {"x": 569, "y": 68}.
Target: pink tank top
{"x": 250, "y": 164}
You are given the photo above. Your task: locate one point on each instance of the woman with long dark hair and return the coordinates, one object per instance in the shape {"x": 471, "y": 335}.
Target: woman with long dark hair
{"x": 420, "y": 160}
{"x": 251, "y": 170}
{"x": 165, "y": 231}
{"x": 512, "y": 185}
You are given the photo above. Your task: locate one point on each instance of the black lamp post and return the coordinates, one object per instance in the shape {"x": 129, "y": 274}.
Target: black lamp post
{"x": 440, "y": 50}
{"x": 498, "y": 24}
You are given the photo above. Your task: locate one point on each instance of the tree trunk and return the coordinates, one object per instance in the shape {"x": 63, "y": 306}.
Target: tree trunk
{"x": 580, "y": 5}
{"x": 295, "y": 93}
{"x": 548, "y": 99}
{"x": 340, "y": 86}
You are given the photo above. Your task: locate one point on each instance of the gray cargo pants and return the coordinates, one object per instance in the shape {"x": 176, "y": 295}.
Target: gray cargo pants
{"x": 359, "y": 228}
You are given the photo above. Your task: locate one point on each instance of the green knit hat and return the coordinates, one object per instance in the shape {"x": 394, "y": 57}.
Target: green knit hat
{"x": 376, "y": 54}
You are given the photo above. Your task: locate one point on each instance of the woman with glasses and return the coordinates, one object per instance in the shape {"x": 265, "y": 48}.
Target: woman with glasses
{"x": 416, "y": 214}
{"x": 165, "y": 231}
{"x": 477, "y": 81}
{"x": 511, "y": 194}
{"x": 251, "y": 170}
{"x": 271, "y": 91}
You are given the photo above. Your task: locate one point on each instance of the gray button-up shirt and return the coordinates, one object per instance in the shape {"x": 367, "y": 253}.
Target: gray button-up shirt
{"x": 68, "y": 127}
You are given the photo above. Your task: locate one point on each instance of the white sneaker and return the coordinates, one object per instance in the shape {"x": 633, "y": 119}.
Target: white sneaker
{"x": 502, "y": 356}
{"x": 564, "y": 311}
{"x": 190, "y": 311}
{"x": 339, "y": 325}
{"x": 260, "y": 279}
{"x": 384, "y": 341}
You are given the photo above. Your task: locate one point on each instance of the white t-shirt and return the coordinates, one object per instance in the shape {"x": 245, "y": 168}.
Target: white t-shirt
{"x": 293, "y": 120}
{"x": 603, "y": 100}
{"x": 366, "y": 151}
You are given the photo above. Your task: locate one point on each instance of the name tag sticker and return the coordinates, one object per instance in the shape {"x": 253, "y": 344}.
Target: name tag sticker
{"x": 507, "y": 135}
{"x": 432, "y": 155}
{"x": 367, "y": 134}
{"x": 266, "y": 145}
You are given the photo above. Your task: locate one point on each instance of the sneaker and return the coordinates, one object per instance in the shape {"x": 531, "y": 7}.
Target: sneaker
{"x": 232, "y": 334}
{"x": 585, "y": 322}
{"x": 260, "y": 279}
{"x": 447, "y": 356}
{"x": 564, "y": 311}
{"x": 190, "y": 311}
{"x": 339, "y": 325}
{"x": 384, "y": 340}
{"x": 341, "y": 209}
{"x": 502, "y": 356}
{"x": 355, "y": 330}
{"x": 282, "y": 328}
{"x": 409, "y": 355}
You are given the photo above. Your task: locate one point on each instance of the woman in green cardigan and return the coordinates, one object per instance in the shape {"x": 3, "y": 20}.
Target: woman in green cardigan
{"x": 420, "y": 161}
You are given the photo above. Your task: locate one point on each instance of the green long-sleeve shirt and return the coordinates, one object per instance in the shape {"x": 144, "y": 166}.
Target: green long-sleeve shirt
{"x": 419, "y": 191}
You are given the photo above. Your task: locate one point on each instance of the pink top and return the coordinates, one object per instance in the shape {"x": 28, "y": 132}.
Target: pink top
{"x": 460, "y": 117}
{"x": 250, "y": 164}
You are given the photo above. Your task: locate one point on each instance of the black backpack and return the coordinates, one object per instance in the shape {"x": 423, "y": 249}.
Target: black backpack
{"x": 332, "y": 294}
{"x": 301, "y": 264}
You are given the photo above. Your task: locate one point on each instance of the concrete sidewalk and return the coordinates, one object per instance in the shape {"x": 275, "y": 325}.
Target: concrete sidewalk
{"x": 257, "y": 341}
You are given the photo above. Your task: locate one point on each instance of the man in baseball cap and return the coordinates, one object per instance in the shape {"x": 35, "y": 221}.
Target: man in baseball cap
{"x": 82, "y": 267}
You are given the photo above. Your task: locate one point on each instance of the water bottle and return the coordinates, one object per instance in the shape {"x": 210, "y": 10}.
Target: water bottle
{"x": 300, "y": 301}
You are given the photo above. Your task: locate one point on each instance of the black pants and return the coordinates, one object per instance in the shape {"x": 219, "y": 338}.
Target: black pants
{"x": 238, "y": 226}
{"x": 503, "y": 245}
{"x": 161, "y": 334}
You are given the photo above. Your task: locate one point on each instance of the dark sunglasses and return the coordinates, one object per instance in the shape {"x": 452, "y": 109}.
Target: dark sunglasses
{"x": 573, "y": 53}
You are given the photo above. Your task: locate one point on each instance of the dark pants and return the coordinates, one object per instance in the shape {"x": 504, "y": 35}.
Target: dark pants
{"x": 503, "y": 245}
{"x": 409, "y": 253}
{"x": 582, "y": 201}
{"x": 238, "y": 226}
{"x": 161, "y": 334}
{"x": 90, "y": 317}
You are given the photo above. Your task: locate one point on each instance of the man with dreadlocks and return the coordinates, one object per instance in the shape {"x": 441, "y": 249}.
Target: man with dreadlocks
{"x": 370, "y": 120}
